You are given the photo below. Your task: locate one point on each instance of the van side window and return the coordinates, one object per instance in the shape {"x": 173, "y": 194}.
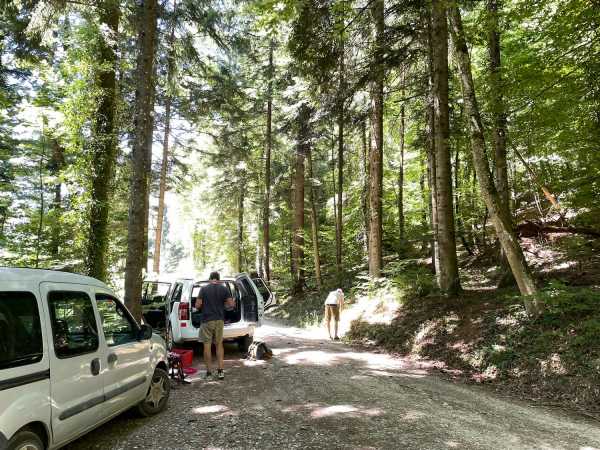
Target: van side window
{"x": 20, "y": 330}
{"x": 119, "y": 328}
{"x": 74, "y": 326}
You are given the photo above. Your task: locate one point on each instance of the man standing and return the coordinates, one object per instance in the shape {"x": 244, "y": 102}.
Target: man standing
{"x": 212, "y": 299}
{"x": 334, "y": 304}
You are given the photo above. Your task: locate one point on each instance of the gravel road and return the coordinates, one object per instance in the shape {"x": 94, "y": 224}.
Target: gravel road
{"x": 319, "y": 394}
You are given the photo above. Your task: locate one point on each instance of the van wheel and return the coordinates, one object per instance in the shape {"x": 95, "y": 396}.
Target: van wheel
{"x": 244, "y": 343}
{"x": 25, "y": 440}
{"x": 158, "y": 394}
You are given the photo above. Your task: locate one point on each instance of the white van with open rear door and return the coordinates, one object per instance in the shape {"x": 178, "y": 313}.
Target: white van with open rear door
{"x": 183, "y": 321}
{"x": 71, "y": 358}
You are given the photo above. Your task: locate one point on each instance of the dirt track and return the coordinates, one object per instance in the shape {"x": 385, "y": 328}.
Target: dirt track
{"x": 319, "y": 394}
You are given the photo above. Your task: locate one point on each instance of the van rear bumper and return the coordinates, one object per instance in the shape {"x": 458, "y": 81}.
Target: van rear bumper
{"x": 230, "y": 331}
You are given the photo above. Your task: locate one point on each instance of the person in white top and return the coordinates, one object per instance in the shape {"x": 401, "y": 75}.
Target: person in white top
{"x": 334, "y": 304}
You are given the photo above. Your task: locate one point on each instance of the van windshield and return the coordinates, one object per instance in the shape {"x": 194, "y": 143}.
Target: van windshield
{"x": 20, "y": 330}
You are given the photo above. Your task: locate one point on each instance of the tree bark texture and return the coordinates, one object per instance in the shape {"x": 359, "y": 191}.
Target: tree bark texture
{"x": 56, "y": 165}
{"x": 499, "y": 129}
{"x": 314, "y": 222}
{"x": 447, "y": 275}
{"x": 364, "y": 199}
{"x": 301, "y": 151}
{"x": 400, "y": 197}
{"x": 498, "y": 211}
{"x": 430, "y": 131}
{"x": 104, "y": 141}
{"x": 142, "y": 146}
{"x": 340, "y": 192}
{"x": 376, "y": 154}
{"x": 497, "y": 103}
{"x": 40, "y": 230}
{"x": 269, "y": 144}
{"x": 160, "y": 215}
{"x": 240, "y": 226}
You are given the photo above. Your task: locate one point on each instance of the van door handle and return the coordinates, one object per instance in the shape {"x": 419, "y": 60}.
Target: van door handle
{"x": 112, "y": 358}
{"x": 95, "y": 366}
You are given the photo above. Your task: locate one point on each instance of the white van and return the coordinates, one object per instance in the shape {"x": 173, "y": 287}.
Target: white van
{"x": 252, "y": 298}
{"x": 71, "y": 358}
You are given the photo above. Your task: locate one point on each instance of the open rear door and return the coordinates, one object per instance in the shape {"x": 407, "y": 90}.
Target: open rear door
{"x": 266, "y": 293}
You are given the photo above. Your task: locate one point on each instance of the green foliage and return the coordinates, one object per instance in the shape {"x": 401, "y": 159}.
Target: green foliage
{"x": 563, "y": 302}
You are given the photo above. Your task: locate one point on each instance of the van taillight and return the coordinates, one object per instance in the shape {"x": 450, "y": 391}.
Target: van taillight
{"x": 184, "y": 311}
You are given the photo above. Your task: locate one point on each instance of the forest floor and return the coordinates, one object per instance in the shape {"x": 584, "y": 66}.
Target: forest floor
{"x": 315, "y": 393}
{"x": 483, "y": 336}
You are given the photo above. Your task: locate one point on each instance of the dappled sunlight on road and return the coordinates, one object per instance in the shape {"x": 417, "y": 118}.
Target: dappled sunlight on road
{"x": 380, "y": 364}
{"x": 320, "y": 410}
{"x": 344, "y": 410}
{"x": 211, "y": 409}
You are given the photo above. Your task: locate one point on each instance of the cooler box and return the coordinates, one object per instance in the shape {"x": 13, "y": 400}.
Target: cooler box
{"x": 187, "y": 356}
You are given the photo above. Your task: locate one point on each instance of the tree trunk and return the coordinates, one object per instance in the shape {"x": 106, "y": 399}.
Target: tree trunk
{"x": 266, "y": 207}
{"x": 376, "y": 154}
{"x": 142, "y": 146}
{"x": 340, "y": 192}
{"x": 364, "y": 199}
{"x": 499, "y": 128}
{"x": 56, "y": 165}
{"x": 291, "y": 198}
{"x": 240, "y": 226}
{"x": 40, "y": 230}
{"x": 447, "y": 276}
{"x": 497, "y": 209}
{"x": 104, "y": 141}
{"x": 425, "y": 200}
{"x": 430, "y": 129}
{"x": 165, "y": 156}
{"x": 400, "y": 198}
{"x": 314, "y": 221}
{"x": 497, "y": 104}
{"x": 301, "y": 151}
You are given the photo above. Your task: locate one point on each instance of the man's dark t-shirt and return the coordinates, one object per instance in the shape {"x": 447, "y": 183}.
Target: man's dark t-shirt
{"x": 213, "y": 302}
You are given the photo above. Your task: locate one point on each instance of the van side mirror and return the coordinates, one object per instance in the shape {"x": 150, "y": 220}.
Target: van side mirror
{"x": 145, "y": 332}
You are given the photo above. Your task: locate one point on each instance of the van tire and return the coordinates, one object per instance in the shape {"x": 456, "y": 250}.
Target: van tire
{"x": 158, "y": 394}
{"x": 244, "y": 343}
{"x": 25, "y": 438}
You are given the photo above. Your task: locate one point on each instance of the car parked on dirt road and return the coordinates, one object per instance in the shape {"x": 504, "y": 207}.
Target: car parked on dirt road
{"x": 71, "y": 358}
{"x": 252, "y": 298}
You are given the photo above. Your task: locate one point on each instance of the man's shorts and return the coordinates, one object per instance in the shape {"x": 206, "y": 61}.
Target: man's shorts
{"x": 211, "y": 331}
{"x": 332, "y": 311}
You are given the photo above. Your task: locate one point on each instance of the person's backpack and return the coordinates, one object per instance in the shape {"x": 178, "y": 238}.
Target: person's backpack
{"x": 259, "y": 350}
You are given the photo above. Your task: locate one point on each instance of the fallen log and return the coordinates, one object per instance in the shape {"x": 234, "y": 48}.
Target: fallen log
{"x": 532, "y": 229}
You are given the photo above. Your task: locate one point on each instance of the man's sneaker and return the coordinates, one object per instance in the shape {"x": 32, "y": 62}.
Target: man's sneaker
{"x": 207, "y": 375}
{"x": 220, "y": 374}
